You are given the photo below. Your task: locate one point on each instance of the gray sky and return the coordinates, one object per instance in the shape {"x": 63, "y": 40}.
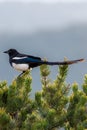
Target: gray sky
{"x": 30, "y": 17}
{"x": 44, "y": 1}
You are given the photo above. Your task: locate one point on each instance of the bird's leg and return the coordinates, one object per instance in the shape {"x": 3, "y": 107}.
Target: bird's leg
{"x": 21, "y": 74}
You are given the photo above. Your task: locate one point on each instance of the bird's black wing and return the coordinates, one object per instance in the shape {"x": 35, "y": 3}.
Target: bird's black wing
{"x": 27, "y": 59}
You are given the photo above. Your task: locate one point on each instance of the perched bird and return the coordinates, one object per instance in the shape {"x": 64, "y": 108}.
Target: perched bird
{"x": 23, "y": 62}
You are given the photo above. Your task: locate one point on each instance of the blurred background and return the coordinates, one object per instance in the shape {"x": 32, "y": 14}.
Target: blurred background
{"x": 51, "y": 29}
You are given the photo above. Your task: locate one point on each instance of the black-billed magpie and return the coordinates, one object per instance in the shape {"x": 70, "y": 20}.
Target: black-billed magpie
{"x": 23, "y": 62}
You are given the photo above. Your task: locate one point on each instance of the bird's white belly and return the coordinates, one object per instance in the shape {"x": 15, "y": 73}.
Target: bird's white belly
{"x": 20, "y": 67}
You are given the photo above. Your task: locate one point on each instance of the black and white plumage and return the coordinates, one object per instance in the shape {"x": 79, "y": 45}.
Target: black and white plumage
{"x": 23, "y": 62}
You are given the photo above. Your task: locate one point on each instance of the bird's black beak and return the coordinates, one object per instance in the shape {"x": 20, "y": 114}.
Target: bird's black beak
{"x": 5, "y": 52}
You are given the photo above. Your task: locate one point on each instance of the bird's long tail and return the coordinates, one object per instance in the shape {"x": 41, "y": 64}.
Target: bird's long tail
{"x": 63, "y": 63}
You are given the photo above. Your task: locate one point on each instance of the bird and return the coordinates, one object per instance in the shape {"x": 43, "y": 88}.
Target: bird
{"x": 23, "y": 62}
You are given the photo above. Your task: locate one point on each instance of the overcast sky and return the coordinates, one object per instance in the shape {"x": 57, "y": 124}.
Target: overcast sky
{"x": 20, "y": 17}
{"x": 46, "y": 1}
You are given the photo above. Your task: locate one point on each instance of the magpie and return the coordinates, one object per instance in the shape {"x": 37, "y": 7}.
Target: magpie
{"x": 23, "y": 62}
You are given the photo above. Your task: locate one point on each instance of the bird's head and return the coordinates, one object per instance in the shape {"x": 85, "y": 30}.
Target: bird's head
{"x": 11, "y": 52}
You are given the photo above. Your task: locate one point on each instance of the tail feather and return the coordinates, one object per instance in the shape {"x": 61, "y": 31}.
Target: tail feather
{"x": 63, "y": 63}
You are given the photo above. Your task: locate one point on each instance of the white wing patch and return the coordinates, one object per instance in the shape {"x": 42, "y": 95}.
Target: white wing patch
{"x": 20, "y": 67}
{"x": 16, "y": 58}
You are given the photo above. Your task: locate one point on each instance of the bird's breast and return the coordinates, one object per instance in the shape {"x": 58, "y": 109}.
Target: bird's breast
{"x": 20, "y": 67}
